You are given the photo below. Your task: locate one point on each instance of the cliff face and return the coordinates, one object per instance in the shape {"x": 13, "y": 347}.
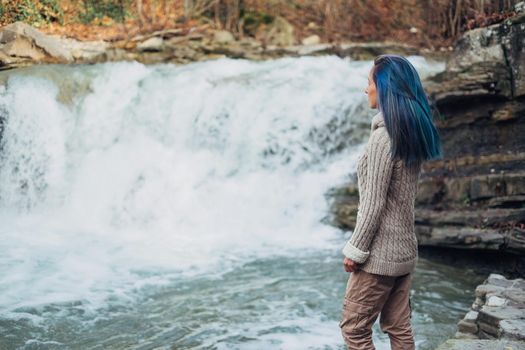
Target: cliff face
{"x": 475, "y": 196}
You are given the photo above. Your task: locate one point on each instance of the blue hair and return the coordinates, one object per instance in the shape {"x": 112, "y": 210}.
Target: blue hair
{"x": 406, "y": 110}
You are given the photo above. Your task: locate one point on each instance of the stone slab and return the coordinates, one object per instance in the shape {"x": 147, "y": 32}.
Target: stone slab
{"x": 481, "y": 344}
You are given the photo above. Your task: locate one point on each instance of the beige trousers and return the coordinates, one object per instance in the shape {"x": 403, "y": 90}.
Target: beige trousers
{"x": 367, "y": 295}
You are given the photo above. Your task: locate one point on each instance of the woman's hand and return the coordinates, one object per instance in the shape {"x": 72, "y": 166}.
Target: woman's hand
{"x": 350, "y": 265}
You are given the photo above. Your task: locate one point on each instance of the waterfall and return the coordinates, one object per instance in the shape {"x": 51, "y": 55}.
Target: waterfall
{"x": 120, "y": 175}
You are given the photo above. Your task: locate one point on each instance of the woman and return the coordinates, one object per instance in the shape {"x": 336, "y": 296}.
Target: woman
{"x": 382, "y": 251}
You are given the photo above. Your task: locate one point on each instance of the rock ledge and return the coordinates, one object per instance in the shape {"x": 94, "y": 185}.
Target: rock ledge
{"x": 496, "y": 319}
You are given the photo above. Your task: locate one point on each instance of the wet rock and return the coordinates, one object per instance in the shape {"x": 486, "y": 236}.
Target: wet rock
{"x": 468, "y": 323}
{"x": 485, "y": 344}
{"x": 513, "y": 329}
{"x": 467, "y": 327}
{"x": 498, "y": 313}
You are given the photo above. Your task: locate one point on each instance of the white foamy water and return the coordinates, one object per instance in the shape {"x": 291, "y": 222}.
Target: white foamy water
{"x": 146, "y": 174}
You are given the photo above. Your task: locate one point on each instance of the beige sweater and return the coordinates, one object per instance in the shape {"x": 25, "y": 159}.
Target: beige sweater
{"x": 384, "y": 241}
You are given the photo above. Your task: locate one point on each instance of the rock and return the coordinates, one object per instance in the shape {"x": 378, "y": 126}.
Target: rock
{"x": 486, "y": 62}
{"x": 461, "y": 335}
{"x": 513, "y": 329}
{"x": 311, "y": 40}
{"x": 498, "y": 317}
{"x": 467, "y": 327}
{"x": 223, "y": 37}
{"x": 154, "y": 44}
{"x": 368, "y": 51}
{"x": 496, "y": 279}
{"x": 487, "y": 330}
{"x": 315, "y": 49}
{"x": 313, "y": 25}
{"x": 251, "y": 44}
{"x": 86, "y": 51}
{"x": 515, "y": 297}
{"x": 456, "y": 236}
{"x": 19, "y": 43}
{"x": 233, "y": 50}
{"x": 485, "y": 344}
{"x": 495, "y": 301}
{"x": 484, "y": 290}
{"x": 185, "y": 52}
{"x": 164, "y": 34}
{"x": 474, "y": 197}
{"x": 520, "y": 7}
{"x": 471, "y": 316}
{"x": 494, "y": 314}
{"x": 280, "y": 33}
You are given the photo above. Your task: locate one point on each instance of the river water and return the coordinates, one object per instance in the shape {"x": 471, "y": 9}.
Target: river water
{"x": 181, "y": 207}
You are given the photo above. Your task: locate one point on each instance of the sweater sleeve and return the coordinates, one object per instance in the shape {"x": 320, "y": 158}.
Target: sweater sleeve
{"x": 379, "y": 172}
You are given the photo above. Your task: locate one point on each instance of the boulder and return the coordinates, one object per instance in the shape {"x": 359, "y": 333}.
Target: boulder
{"x": 486, "y": 61}
{"x": 223, "y": 37}
{"x": 475, "y": 196}
{"x": 311, "y": 40}
{"x": 280, "y": 33}
{"x": 154, "y": 44}
{"x": 369, "y": 50}
{"x": 86, "y": 51}
{"x": 19, "y": 43}
{"x": 495, "y": 319}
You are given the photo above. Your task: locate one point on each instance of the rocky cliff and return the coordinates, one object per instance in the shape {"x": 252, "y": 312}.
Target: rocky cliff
{"x": 474, "y": 197}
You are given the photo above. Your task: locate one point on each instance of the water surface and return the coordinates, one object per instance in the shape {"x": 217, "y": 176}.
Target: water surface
{"x": 181, "y": 207}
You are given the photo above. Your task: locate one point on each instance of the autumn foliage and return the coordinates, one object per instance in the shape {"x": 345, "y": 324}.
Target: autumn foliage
{"x": 422, "y": 22}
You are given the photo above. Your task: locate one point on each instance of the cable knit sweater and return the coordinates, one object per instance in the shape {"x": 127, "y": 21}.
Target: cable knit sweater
{"x": 384, "y": 241}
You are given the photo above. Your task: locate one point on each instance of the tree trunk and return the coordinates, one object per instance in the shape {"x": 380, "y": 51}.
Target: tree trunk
{"x": 140, "y": 13}
{"x": 188, "y": 8}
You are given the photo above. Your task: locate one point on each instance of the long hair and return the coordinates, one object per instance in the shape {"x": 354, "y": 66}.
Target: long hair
{"x": 405, "y": 109}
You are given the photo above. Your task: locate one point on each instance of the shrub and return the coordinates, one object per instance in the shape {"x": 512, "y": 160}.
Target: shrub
{"x": 34, "y": 12}
{"x": 98, "y": 9}
{"x": 253, "y": 19}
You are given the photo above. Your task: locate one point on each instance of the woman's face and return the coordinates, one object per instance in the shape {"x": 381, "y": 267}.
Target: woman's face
{"x": 371, "y": 91}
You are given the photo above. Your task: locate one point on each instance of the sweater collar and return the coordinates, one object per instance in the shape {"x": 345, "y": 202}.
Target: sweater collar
{"x": 377, "y": 121}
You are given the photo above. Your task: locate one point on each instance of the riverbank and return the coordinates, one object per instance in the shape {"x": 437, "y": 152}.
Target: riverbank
{"x": 496, "y": 319}
{"x": 23, "y": 45}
